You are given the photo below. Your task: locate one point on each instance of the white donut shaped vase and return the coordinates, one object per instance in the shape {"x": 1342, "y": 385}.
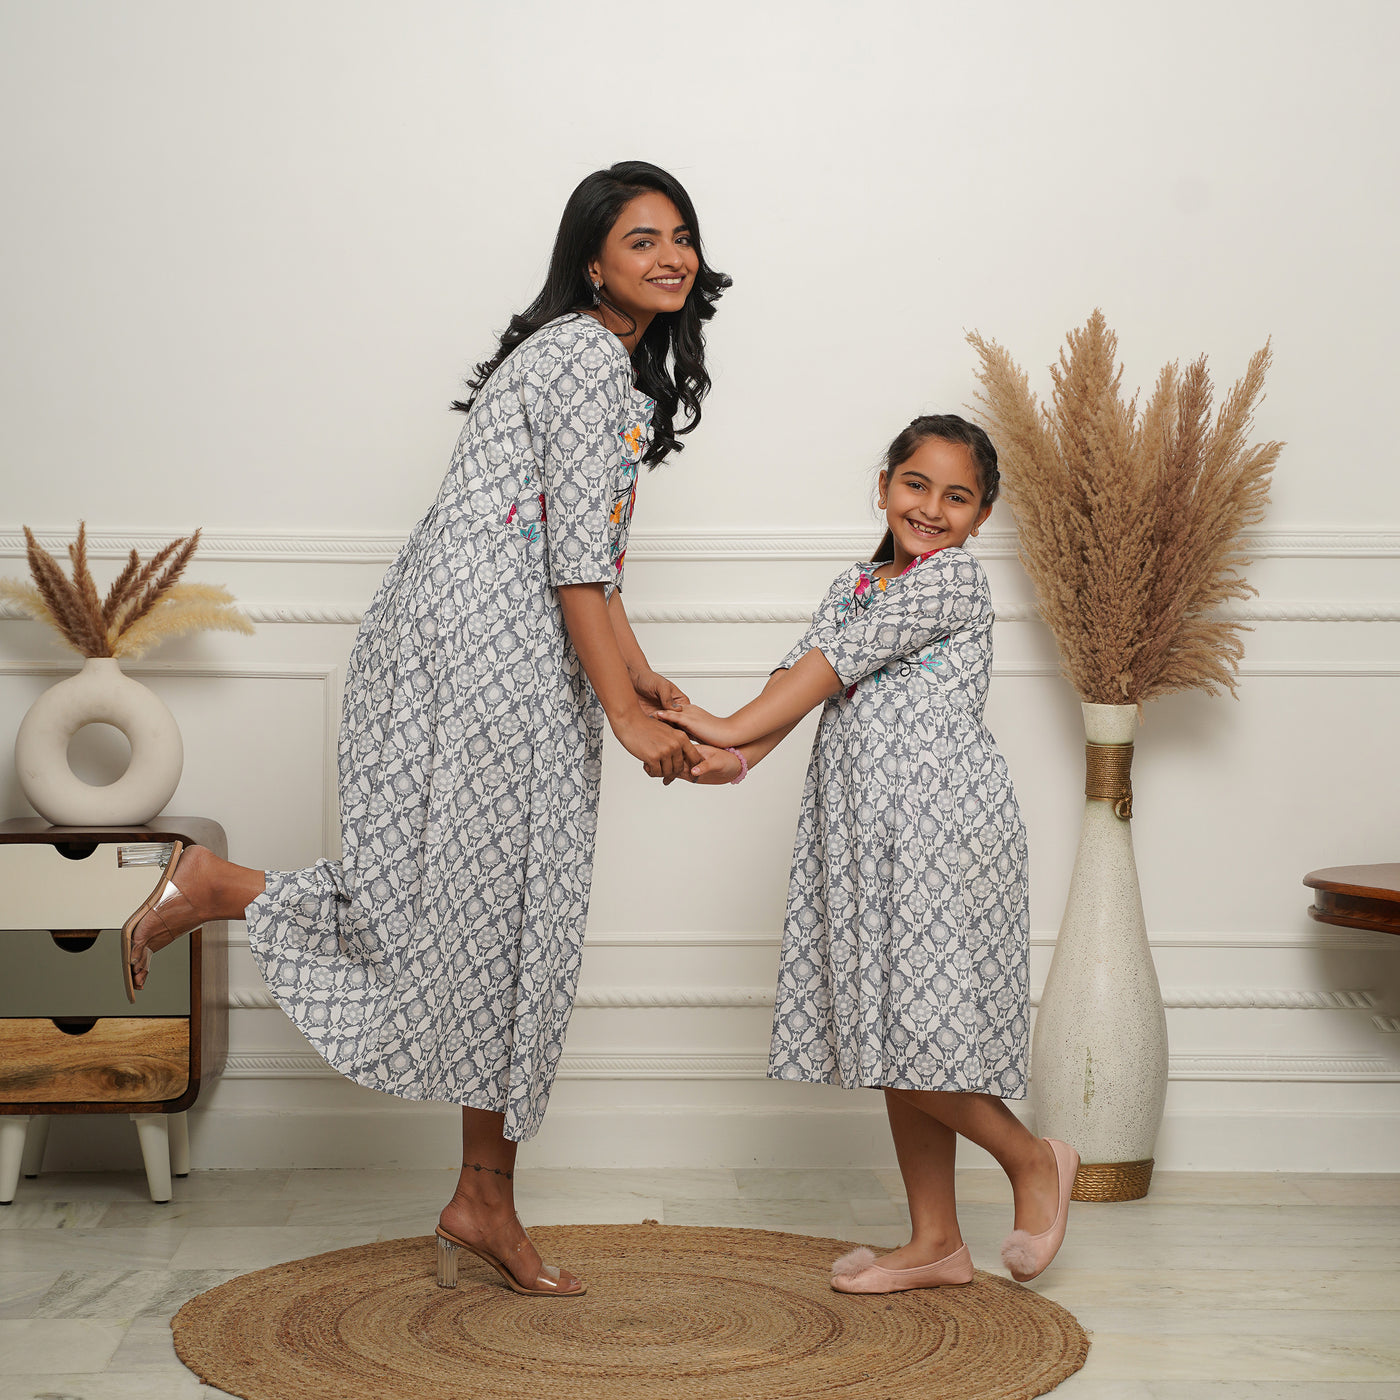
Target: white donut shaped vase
{"x": 99, "y": 694}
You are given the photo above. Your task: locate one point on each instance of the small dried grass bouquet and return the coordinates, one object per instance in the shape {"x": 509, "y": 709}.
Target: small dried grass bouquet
{"x": 146, "y": 604}
{"x": 1130, "y": 522}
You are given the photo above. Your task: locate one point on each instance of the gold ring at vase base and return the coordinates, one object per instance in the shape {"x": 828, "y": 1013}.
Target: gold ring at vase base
{"x": 1112, "y": 1181}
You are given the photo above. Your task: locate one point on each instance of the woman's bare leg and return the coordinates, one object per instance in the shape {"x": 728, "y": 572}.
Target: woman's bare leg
{"x": 926, "y": 1149}
{"x": 1025, "y": 1158}
{"x": 482, "y": 1208}
{"x": 205, "y": 888}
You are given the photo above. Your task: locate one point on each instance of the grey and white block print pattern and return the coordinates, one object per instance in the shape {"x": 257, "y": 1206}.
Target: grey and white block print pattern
{"x": 905, "y": 949}
{"x": 439, "y": 959}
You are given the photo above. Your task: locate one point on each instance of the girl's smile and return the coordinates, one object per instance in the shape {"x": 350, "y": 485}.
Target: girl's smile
{"x": 931, "y": 500}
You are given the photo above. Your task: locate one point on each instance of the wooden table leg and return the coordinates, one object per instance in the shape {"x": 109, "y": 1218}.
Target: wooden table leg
{"x": 153, "y": 1131}
{"x": 12, "y": 1134}
{"x": 34, "y": 1143}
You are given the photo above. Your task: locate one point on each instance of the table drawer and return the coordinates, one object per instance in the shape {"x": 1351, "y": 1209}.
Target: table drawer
{"x": 74, "y": 884}
{"x": 118, "y": 1060}
{"x": 68, "y": 976}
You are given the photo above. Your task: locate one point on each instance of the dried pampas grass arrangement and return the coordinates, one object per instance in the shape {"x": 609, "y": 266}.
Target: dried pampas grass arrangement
{"x": 146, "y": 604}
{"x": 1130, "y": 523}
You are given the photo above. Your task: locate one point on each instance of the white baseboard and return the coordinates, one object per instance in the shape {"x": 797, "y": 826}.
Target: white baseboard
{"x": 418, "y": 1136}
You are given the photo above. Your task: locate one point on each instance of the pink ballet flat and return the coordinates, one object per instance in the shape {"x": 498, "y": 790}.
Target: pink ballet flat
{"x": 1027, "y": 1255}
{"x": 857, "y": 1272}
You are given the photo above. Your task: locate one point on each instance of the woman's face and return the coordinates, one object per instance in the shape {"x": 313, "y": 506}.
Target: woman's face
{"x": 648, "y": 262}
{"x": 932, "y": 499}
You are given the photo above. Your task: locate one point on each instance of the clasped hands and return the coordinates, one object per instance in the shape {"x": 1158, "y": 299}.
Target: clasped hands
{"x": 690, "y": 748}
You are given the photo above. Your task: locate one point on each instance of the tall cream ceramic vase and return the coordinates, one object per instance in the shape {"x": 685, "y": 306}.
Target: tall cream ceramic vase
{"x": 99, "y": 694}
{"x": 1099, "y": 1054}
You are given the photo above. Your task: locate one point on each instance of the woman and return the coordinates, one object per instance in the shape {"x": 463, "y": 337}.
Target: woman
{"x": 439, "y": 958}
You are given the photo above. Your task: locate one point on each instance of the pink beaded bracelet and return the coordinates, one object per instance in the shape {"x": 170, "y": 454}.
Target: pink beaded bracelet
{"x": 743, "y": 767}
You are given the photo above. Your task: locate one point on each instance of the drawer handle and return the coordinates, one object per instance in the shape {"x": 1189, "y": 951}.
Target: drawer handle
{"x": 74, "y": 1025}
{"x": 74, "y": 940}
{"x": 75, "y": 850}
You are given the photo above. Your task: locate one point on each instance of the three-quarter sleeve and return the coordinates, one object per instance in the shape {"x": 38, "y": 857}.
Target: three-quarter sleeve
{"x": 943, "y": 594}
{"x": 576, "y": 398}
{"x": 826, "y": 621}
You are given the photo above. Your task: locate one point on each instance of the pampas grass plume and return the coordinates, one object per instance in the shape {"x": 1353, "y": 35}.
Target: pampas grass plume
{"x": 146, "y": 604}
{"x": 1130, "y": 520}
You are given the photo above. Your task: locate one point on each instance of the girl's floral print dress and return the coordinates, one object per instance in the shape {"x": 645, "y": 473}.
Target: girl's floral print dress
{"x": 904, "y": 960}
{"x": 439, "y": 958}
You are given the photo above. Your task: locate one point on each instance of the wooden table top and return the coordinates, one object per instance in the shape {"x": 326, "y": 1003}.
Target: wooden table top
{"x": 1357, "y": 896}
{"x": 1366, "y": 881}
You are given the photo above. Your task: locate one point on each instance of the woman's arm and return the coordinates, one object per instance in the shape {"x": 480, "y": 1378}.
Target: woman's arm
{"x": 784, "y": 700}
{"x": 650, "y": 687}
{"x": 664, "y": 752}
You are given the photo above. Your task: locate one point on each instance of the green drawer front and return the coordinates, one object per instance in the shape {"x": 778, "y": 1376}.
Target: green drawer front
{"x": 38, "y": 977}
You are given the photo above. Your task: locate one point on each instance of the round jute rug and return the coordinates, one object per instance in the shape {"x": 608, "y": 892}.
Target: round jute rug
{"x": 671, "y": 1313}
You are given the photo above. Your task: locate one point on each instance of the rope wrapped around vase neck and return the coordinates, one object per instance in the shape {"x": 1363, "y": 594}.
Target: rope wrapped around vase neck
{"x": 1108, "y": 776}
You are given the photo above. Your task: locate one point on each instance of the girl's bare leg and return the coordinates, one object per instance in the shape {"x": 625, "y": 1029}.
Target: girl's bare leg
{"x": 482, "y": 1208}
{"x": 1026, "y": 1159}
{"x": 926, "y": 1149}
{"x": 204, "y": 888}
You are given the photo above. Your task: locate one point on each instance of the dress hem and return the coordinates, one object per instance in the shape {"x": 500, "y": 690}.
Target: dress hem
{"x": 357, "y": 1075}
{"x": 990, "y": 1091}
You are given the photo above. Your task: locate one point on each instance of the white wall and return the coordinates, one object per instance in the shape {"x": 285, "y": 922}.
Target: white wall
{"x": 250, "y": 250}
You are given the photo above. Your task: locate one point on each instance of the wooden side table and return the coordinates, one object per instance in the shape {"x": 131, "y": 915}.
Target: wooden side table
{"x": 1357, "y": 896}
{"x": 70, "y": 1042}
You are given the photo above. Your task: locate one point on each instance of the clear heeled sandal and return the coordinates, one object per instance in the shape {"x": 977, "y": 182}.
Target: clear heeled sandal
{"x": 547, "y": 1284}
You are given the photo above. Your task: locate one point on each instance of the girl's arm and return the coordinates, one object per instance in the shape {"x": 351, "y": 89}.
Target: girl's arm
{"x": 664, "y": 752}
{"x": 650, "y": 687}
{"x": 942, "y": 595}
{"x": 720, "y": 766}
{"x": 784, "y": 700}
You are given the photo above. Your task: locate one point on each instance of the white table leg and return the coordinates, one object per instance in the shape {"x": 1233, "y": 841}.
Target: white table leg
{"x": 179, "y": 1144}
{"x": 34, "y": 1143}
{"x": 154, "y": 1133}
{"x": 12, "y": 1132}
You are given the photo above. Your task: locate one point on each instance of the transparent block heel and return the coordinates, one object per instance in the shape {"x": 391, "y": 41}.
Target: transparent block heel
{"x": 447, "y": 1263}
{"x": 145, "y": 853}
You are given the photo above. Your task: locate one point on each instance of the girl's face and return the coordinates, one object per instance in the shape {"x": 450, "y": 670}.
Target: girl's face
{"x": 648, "y": 262}
{"x": 932, "y": 500}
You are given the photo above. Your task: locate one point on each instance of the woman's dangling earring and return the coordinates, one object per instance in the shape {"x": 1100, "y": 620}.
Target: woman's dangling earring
{"x": 597, "y": 294}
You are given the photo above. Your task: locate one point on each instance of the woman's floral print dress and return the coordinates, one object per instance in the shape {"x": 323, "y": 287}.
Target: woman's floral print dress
{"x": 904, "y": 960}
{"x": 439, "y": 958}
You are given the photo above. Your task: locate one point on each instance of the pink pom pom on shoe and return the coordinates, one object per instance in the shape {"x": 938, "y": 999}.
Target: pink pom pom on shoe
{"x": 853, "y": 1262}
{"x": 1018, "y": 1253}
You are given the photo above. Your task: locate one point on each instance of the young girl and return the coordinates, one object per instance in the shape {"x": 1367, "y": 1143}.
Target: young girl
{"x": 904, "y": 960}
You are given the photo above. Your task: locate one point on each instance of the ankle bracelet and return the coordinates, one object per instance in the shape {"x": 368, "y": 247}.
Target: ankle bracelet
{"x": 495, "y": 1171}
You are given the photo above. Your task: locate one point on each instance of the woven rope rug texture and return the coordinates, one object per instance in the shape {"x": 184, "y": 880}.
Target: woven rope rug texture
{"x": 671, "y": 1313}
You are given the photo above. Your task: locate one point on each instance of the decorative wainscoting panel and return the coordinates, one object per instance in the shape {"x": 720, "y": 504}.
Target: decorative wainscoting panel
{"x": 1285, "y": 1035}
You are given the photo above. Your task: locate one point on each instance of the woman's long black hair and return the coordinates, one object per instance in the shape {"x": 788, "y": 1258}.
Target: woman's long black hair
{"x": 677, "y": 337}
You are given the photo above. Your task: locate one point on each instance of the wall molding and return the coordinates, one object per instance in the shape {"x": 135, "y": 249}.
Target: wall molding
{"x": 1309, "y": 937}
{"x": 685, "y": 613}
{"x": 740, "y": 998}
{"x": 623, "y": 1065}
{"x": 380, "y": 546}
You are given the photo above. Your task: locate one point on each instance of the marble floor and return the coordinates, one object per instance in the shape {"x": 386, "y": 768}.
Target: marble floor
{"x": 1218, "y": 1285}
